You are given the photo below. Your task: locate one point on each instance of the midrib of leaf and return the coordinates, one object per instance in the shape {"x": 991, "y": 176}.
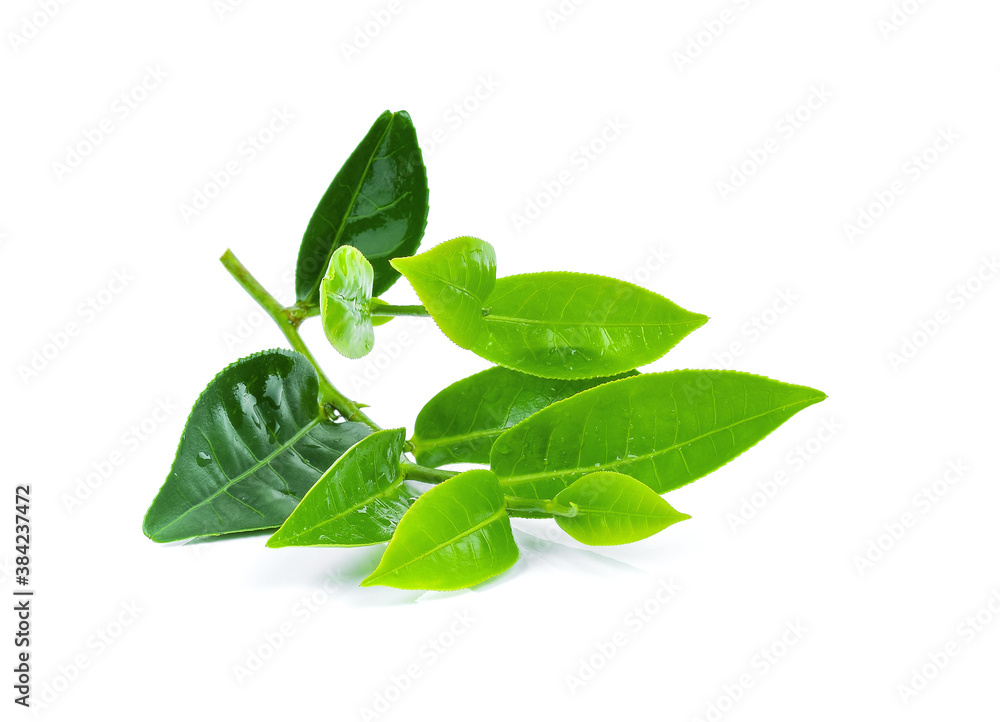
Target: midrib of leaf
{"x": 443, "y": 440}
{"x": 602, "y": 324}
{"x": 253, "y": 469}
{"x": 469, "y": 532}
{"x": 394, "y": 485}
{"x": 612, "y": 512}
{"x": 508, "y": 480}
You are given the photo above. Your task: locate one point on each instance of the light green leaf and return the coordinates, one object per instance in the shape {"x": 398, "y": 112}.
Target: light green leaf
{"x": 461, "y": 423}
{"x": 576, "y": 325}
{"x": 555, "y": 325}
{"x": 453, "y": 280}
{"x": 614, "y": 509}
{"x": 377, "y": 202}
{"x": 455, "y": 535}
{"x": 345, "y": 297}
{"x": 664, "y": 429}
{"x": 255, "y": 442}
{"x": 357, "y": 502}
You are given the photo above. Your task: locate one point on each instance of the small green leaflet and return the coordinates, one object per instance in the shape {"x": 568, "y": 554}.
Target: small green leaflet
{"x": 556, "y": 325}
{"x": 345, "y": 297}
{"x": 664, "y": 429}
{"x": 614, "y": 509}
{"x": 455, "y": 535}
{"x": 357, "y": 502}
{"x": 377, "y": 202}
{"x": 461, "y": 423}
{"x": 255, "y": 442}
{"x": 453, "y": 280}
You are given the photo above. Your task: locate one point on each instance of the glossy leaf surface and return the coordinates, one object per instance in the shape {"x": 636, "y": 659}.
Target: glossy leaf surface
{"x": 377, "y": 202}
{"x": 461, "y": 423}
{"x": 455, "y": 535}
{"x": 664, "y": 429}
{"x": 555, "y": 325}
{"x": 254, "y": 444}
{"x": 344, "y": 303}
{"x": 357, "y": 502}
{"x": 614, "y": 509}
{"x": 453, "y": 280}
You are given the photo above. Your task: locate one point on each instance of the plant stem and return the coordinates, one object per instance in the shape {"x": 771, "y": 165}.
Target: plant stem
{"x": 288, "y": 321}
{"x": 545, "y": 506}
{"x": 386, "y": 309}
{"x": 300, "y": 311}
{"x": 416, "y": 472}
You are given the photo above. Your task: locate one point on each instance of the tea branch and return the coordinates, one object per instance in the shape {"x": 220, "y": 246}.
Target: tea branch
{"x": 288, "y": 320}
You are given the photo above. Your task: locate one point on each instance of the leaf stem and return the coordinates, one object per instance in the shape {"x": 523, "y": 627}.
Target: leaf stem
{"x": 416, "y": 472}
{"x": 288, "y": 320}
{"x": 386, "y": 309}
{"x": 515, "y": 503}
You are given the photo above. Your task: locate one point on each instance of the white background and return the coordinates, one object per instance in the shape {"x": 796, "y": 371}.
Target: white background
{"x": 200, "y": 612}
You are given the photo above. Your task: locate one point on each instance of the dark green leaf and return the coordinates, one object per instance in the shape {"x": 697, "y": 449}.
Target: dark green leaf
{"x": 377, "y": 202}
{"x": 461, "y": 423}
{"x": 664, "y": 429}
{"x": 254, "y": 444}
{"x": 614, "y": 509}
{"x": 357, "y": 502}
{"x": 454, "y": 536}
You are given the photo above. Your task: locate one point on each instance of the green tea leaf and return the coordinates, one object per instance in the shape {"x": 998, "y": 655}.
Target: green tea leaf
{"x": 254, "y": 444}
{"x": 461, "y": 423}
{"x": 453, "y": 280}
{"x": 357, "y": 502}
{"x": 556, "y": 325}
{"x": 576, "y": 325}
{"x": 377, "y": 202}
{"x": 665, "y": 429}
{"x": 345, "y": 296}
{"x": 455, "y": 535}
{"x": 614, "y": 509}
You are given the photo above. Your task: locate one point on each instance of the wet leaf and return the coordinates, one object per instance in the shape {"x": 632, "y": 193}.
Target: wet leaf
{"x": 255, "y": 443}
{"x": 345, "y": 298}
{"x": 357, "y": 502}
{"x": 377, "y": 203}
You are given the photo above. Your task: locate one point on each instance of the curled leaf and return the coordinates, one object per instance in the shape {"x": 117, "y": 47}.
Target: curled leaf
{"x": 345, "y": 299}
